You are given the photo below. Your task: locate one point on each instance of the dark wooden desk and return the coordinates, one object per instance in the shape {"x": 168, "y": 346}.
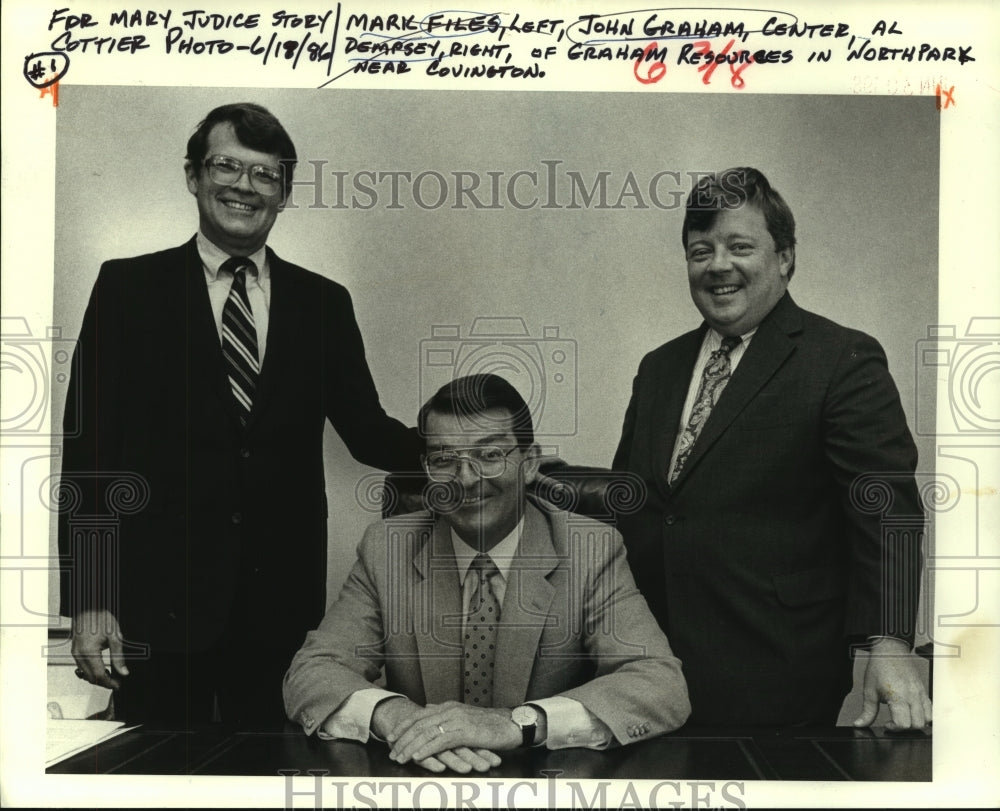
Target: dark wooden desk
{"x": 839, "y": 753}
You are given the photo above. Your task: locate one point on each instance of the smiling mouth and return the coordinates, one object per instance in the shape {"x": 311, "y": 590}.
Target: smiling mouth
{"x": 236, "y": 205}
{"x": 724, "y": 289}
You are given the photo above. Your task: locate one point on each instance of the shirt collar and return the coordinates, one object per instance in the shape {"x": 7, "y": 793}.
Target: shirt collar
{"x": 502, "y": 554}
{"x": 713, "y": 339}
{"x": 212, "y": 257}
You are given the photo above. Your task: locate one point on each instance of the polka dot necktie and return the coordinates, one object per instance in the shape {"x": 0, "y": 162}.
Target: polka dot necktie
{"x": 239, "y": 337}
{"x": 713, "y": 381}
{"x": 481, "y": 634}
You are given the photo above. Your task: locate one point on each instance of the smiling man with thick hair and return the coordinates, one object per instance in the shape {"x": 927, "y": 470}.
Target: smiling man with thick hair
{"x": 751, "y": 432}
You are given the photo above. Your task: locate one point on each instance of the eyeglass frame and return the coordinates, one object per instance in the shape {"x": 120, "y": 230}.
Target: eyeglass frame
{"x": 475, "y": 464}
{"x": 248, "y": 171}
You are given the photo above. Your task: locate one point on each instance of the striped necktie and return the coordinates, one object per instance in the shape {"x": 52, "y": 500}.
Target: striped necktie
{"x": 239, "y": 337}
{"x": 713, "y": 380}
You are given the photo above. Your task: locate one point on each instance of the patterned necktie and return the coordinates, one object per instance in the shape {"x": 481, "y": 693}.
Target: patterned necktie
{"x": 239, "y": 337}
{"x": 713, "y": 381}
{"x": 481, "y": 635}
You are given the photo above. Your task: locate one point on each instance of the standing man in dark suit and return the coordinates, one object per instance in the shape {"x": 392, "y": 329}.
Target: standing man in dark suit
{"x": 755, "y": 548}
{"x": 205, "y": 375}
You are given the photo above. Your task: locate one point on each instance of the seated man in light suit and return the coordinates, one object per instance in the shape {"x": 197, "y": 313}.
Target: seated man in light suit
{"x": 576, "y": 658}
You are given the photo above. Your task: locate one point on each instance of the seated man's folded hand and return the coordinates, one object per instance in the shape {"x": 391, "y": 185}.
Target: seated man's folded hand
{"x": 451, "y": 726}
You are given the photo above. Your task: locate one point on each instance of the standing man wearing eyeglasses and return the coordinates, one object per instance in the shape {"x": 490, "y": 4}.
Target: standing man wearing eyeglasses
{"x": 496, "y": 620}
{"x": 204, "y": 376}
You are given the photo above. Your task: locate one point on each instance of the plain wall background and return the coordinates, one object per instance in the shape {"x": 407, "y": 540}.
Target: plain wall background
{"x": 613, "y": 281}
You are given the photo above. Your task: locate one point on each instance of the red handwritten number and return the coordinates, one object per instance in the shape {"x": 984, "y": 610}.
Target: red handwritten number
{"x": 657, "y": 70}
{"x": 51, "y": 90}
{"x": 704, "y": 47}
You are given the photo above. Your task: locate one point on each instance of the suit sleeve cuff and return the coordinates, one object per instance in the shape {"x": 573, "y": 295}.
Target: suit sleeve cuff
{"x": 352, "y": 719}
{"x": 571, "y": 724}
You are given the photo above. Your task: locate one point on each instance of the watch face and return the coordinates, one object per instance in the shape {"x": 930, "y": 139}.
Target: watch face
{"x": 524, "y": 716}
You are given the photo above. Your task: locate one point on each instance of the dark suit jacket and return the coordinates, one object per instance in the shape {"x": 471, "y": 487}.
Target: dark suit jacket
{"x": 769, "y": 555}
{"x": 572, "y": 623}
{"x": 215, "y": 526}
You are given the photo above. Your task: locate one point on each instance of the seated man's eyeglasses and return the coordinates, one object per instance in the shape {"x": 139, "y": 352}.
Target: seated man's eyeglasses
{"x": 226, "y": 171}
{"x": 486, "y": 461}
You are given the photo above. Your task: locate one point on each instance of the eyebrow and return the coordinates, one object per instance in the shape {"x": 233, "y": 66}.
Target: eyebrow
{"x": 492, "y": 439}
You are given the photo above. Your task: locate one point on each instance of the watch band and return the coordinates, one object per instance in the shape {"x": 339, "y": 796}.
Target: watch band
{"x": 526, "y": 717}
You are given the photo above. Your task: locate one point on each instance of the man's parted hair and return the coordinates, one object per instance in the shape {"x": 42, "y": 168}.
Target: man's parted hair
{"x": 256, "y": 128}
{"x": 467, "y": 398}
{"x": 732, "y": 189}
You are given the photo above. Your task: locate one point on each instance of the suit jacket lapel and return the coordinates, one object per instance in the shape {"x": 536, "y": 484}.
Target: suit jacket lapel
{"x": 768, "y": 350}
{"x": 525, "y": 609}
{"x": 437, "y": 595}
{"x": 204, "y": 350}
{"x": 281, "y": 315}
{"x": 669, "y": 400}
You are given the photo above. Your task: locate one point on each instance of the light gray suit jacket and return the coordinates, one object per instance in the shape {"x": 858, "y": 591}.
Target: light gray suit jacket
{"x": 572, "y": 624}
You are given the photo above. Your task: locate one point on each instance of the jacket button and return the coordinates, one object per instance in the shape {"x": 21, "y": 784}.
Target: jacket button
{"x": 236, "y": 518}
{"x": 245, "y": 453}
{"x": 670, "y": 520}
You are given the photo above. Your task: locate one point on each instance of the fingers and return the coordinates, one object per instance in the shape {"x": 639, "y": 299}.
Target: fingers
{"x": 909, "y": 715}
{"x": 868, "y": 713}
{"x": 482, "y": 760}
{"x": 489, "y": 756}
{"x": 422, "y": 740}
{"x": 900, "y": 718}
{"x": 92, "y": 669}
{"x": 456, "y": 761}
{"x": 462, "y": 760}
{"x": 869, "y": 708}
{"x": 92, "y": 632}
{"x": 432, "y": 764}
{"x": 117, "y": 652}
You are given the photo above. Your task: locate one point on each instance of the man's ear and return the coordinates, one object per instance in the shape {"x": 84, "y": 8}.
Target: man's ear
{"x": 192, "y": 177}
{"x": 529, "y": 462}
{"x": 786, "y": 257}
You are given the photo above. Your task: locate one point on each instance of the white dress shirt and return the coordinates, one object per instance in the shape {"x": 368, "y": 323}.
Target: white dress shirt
{"x": 258, "y": 287}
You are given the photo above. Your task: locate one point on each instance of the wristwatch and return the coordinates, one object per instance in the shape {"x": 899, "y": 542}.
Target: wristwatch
{"x": 525, "y": 717}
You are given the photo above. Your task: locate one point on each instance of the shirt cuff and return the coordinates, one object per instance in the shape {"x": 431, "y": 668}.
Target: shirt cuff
{"x": 571, "y": 724}
{"x": 878, "y": 638}
{"x": 352, "y": 719}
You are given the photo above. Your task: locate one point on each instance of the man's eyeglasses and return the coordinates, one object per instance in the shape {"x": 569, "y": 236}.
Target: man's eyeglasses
{"x": 486, "y": 460}
{"x": 226, "y": 171}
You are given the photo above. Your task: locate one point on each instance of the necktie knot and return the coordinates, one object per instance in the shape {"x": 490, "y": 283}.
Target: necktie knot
{"x": 239, "y": 266}
{"x": 484, "y": 567}
{"x": 729, "y": 343}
